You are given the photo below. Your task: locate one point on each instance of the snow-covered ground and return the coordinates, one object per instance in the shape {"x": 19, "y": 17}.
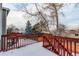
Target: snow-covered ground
{"x": 27, "y": 41}
{"x": 21, "y": 42}
{"x": 30, "y": 50}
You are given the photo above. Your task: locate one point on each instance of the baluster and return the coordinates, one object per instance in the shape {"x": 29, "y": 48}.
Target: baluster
{"x": 54, "y": 44}
{"x": 6, "y": 47}
{"x": 1, "y": 43}
{"x": 64, "y": 46}
{"x": 18, "y": 42}
{"x": 43, "y": 42}
{"x": 14, "y": 42}
{"x": 21, "y": 42}
{"x": 4, "y": 43}
{"x": 67, "y": 47}
{"x": 9, "y": 43}
{"x": 71, "y": 47}
{"x": 61, "y": 48}
{"x": 59, "y": 45}
{"x": 75, "y": 48}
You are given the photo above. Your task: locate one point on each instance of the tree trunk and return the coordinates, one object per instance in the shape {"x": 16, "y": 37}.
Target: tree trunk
{"x": 47, "y": 27}
{"x": 56, "y": 17}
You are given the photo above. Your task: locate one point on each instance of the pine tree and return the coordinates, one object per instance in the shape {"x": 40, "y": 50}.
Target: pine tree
{"x": 28, "y": 29}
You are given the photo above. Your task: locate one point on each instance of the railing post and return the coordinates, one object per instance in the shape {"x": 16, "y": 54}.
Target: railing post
{"x": 3, "y": 43}
{"x": 6, "y": 47}
{"x": 2, "y": 39}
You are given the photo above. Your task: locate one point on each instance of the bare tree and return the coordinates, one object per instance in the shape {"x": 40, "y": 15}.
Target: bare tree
{"x": 12, "y": 28}
{"x": 39, "y": 13}
{"x": 62, "y": 29}
{"x": 55, "y": 7}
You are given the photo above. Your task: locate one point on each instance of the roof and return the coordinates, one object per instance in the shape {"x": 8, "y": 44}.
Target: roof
{"x": 72, "y": 32}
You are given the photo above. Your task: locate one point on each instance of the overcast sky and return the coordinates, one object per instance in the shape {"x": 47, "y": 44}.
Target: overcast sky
{"x": 71, "y": 16}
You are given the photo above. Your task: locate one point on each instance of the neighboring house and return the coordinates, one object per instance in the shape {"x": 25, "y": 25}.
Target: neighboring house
{"x": 72, "y": 33}
{"x": 3, "y": 14}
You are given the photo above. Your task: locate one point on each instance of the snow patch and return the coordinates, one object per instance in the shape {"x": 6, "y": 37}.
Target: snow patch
{"x": 30, "y": 50}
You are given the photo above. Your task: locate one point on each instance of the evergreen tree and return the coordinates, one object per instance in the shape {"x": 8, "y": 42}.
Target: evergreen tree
{"x": 28, "y": 29}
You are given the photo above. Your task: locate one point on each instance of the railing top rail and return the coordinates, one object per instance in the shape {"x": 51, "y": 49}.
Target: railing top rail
{"x": 61, "y": 37}
{"x": 20, "y": 35}
{"x": 41, "y": 34}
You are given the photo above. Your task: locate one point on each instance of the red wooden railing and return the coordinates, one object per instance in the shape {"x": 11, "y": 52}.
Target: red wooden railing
{"x": 62, "y": 46}
{"x": 16, "y": 40}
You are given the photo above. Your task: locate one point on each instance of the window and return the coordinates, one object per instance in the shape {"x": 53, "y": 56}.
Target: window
{"x": 76, "y": 34}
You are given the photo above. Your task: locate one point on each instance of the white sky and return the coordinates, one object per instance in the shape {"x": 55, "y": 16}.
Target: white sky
{"x": 71, "y": 18}
{"x": 16, "y": 18}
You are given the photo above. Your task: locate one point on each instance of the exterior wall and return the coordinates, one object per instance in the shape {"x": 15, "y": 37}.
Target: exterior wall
{"x": 0, "y": 23}
{"x": 3, "y": 15}
{"x": 3, "y": 21}
{"x": 72, "y": 35}
{"x": 0, "y": 20}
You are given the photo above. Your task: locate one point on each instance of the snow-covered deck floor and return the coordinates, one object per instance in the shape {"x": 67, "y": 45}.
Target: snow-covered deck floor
{"x": 30, "y": 50}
